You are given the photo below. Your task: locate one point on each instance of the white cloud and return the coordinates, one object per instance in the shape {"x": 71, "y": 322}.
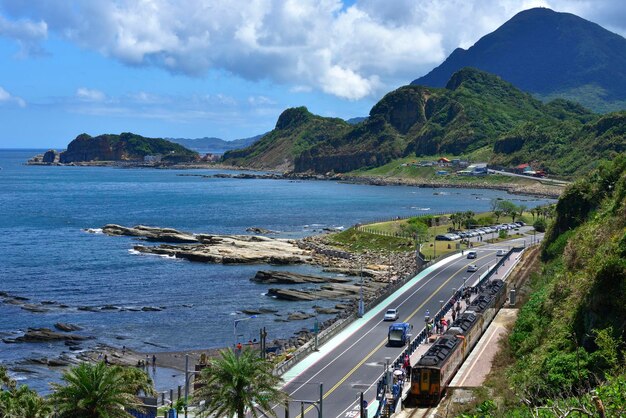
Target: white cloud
{"x": 90, "y": 95}
{"x": 351, "y": 52}
{"x": 27, "y": 33}
{"x": 260, "y": 101}
{"x": 7, "y": 98}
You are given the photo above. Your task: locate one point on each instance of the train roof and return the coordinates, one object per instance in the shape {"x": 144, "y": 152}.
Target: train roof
{"x": 486, "y": 297}
{"x": 463, "y": 323}
{"x": 493, "y": 286}
{"x": 439, "y": 352}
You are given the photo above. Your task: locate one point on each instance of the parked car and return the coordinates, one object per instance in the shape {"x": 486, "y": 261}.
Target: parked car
{"x": 500, "y": 253}
{"x": 520, "y": 223}
{"x": 471, "y": 254}
{"x": 391, "y": 315}
{"x": 442, "y": 238}
{"x": 472, "y": 268}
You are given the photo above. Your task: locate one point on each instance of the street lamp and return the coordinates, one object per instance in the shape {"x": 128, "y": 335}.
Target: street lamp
{"x": 361, "y": 309}
{"x": 235, "y": 322}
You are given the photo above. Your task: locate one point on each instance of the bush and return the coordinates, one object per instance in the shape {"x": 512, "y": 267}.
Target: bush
{"x": 503, "y": 234}
{"x": 540, "y": 225}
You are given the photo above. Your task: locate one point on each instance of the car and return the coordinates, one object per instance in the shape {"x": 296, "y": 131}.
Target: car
{"x": 471, "y": 254}
{"x": 500, "y": 253}
{"x": 442, "y": 238}
{"x": 391, "y": 315}
{"x": 472, "y": 268}
{"x": 521, "y": 223}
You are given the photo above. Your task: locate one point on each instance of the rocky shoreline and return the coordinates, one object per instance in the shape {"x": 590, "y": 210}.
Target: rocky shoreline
{"x": 343, "y": 286}
{"x": 538, "y": 189}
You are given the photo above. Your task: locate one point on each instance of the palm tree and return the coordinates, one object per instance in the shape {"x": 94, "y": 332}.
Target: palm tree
{"x": 236, "y": 382}
{"x": 498, "y": 213}
{"x": 97, "y": 391}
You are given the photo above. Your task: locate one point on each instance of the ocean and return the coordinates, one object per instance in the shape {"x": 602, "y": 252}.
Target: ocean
{"x": 46, "y": 255}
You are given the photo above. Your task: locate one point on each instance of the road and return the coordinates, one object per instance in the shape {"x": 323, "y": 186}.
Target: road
{"x": 353, "y": 361}
{"x": 539, "y": 179}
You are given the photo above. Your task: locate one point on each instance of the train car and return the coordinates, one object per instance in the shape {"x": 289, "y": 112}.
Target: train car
{"x": 488, "y": 303}
{"x": 432, "y": 374}
{"x": 468, "y": 325}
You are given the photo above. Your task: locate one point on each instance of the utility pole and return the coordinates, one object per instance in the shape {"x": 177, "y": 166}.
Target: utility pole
{"x": 263, "y": 342}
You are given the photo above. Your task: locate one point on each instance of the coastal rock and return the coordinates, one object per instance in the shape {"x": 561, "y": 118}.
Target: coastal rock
{"x": 260, "y": 231}
{"x": 35, "y": 335}
{"x": 327, "y": 311}
{"x": 150, "y": 233}
{"x": 294, "y": 295}
{"x": 50, "y": 156}
{"x": 286, "y": 277}
{"x": 151, "y": 309}
{"x": 63, "y": 326}
{"x": 234, "y": 249}
{"x": 299, "y": 316}
{"x": 34, "y": 308}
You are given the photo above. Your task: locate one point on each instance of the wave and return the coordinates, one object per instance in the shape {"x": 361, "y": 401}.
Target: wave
{"x": 418, "y": 208}
{"x": 93, "y": 230}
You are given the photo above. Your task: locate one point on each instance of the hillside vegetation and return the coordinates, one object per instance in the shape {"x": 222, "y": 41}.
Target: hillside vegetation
{"x": 124, "y": 147}
{"x": 568, "y": 345}
{"x": 297, "y": 130}
{"x": 476, "y": 114}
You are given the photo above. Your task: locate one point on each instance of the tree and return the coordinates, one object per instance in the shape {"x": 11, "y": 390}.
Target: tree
{"x": 20, "y": 401}
{"x": 498, "y": 213}
{"x": 98, "y": 391}
{"x": 236, "y": 382}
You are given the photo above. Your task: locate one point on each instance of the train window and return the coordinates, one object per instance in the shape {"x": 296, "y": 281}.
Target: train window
{"x": 415, "y": 376}
{"x": 424, "y": 386}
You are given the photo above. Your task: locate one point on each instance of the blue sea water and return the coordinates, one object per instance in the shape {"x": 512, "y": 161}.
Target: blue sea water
{"x": 46, "y": 255}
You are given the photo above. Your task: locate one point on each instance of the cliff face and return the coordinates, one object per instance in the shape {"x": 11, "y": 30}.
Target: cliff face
{"x": 123, "y": 147}
{"x": 296, "y": 131}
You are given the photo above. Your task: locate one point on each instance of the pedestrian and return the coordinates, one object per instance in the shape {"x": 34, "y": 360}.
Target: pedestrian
{"x": 153, "y": 360}
{"x": 123, "y": 349}
{"x": 147, "y": 361}
{"x": 453, "y": 315}
{"x": 106, "y": 359}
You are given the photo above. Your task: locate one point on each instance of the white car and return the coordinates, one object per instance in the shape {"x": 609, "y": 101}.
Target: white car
{"x": 471, "y": 254}
{"x": 472, "y": 268}
{"x": 500, "y": 253}
{"x": 391, "y": 315}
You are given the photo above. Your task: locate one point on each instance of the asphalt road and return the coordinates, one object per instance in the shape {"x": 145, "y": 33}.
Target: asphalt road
{"x": 356, "y": 357}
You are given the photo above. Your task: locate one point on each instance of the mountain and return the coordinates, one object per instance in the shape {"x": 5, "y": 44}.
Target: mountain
{"x": 551, "y": 55}
{"x": 124, "y": 147}
{"x": 215, "y": 145}
{"x": 296, "y": 130}
{"x": 476, "y": 112}
{"x": 471, "y": 112}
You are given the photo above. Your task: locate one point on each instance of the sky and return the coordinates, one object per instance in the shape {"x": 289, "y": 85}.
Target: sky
{"x": 226, "y": 68}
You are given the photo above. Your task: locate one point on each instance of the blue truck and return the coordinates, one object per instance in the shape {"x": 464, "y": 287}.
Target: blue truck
{"x": 399, "y": 334}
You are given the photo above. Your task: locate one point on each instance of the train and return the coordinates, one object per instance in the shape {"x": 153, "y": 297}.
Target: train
{"x": 432, "y": 374}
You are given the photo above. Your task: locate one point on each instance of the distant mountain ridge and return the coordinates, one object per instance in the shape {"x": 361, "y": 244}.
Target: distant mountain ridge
{"x": 215, "y": 145}
{"x": 550, "y": 55}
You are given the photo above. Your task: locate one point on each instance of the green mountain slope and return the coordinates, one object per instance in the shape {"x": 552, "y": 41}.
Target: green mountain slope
{"x": 477, "y": 113}
{"x": 296, "y": 131}
{"x": 124, "y": 147}
{"x": 571, "y": 334}
{"x": 551, "y": 55}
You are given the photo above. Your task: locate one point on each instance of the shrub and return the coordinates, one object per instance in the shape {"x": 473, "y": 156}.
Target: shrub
{"x": 540, "y": 225}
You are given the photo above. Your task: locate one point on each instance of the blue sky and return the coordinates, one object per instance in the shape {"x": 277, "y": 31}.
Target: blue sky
{"x": 225, "y": 68}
